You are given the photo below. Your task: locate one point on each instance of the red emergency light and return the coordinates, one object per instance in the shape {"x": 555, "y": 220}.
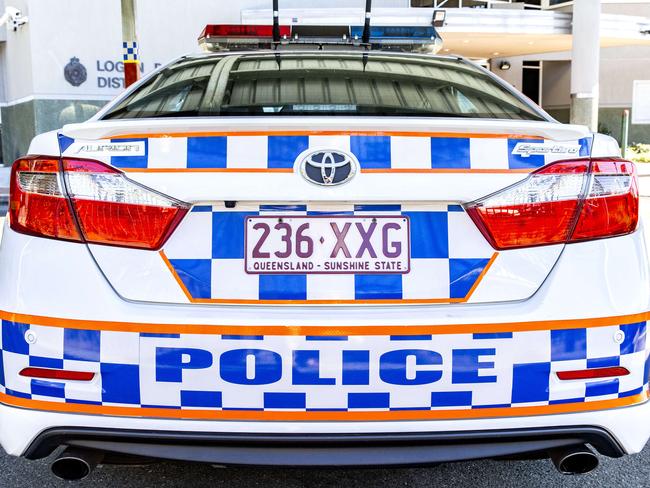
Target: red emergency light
{"x": 220, "y": 35}
{"x": 236, "y": 30}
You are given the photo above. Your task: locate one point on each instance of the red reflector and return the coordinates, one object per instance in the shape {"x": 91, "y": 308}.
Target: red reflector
{"x": 588, "y": 374}
{"x": 236, "y": 30}
{"x": 57, "y": 374}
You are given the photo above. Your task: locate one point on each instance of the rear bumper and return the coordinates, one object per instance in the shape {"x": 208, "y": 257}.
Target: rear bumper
{"x": 34, "y": 434}
{"x": 55, "y": 288}
{"x": 325, "y": 449}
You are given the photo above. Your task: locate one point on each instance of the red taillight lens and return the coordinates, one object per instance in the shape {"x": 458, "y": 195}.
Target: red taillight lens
{"x": 566, "y": 201}
{"x": 612, "y": 203}
{"x": 89, "y": 201}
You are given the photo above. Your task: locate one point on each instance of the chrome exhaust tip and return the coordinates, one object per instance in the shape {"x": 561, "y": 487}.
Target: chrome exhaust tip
{"x": 75, "y": 464}
{"x": 574, "y": 460}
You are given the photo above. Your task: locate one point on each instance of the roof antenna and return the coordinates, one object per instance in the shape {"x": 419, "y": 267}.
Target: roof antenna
{"x": 276, "y": 22}
{"x": 365, "y": 38}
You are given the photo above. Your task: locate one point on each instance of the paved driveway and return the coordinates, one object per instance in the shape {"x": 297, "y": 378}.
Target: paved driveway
{"x": 632, "y": 471}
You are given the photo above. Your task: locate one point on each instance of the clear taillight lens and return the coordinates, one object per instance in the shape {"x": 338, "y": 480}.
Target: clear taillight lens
{"x": 565, "y": 201}
{"x": 89, "y": 201}
{"x": 37, "y": 203}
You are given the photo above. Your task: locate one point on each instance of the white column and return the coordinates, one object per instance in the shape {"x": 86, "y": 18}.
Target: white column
{"x": 585, "y": 63}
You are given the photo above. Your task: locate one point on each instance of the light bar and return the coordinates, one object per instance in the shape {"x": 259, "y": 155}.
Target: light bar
{"x": 247, "y": 36}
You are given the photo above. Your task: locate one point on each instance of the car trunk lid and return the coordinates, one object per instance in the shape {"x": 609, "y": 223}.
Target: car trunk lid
{"x": 245, "y": 176}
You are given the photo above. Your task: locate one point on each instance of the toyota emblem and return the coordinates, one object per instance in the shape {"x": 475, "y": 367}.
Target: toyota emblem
{"x": 328, "y": 167}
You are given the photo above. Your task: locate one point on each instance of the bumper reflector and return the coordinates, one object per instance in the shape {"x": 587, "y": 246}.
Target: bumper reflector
{"x": 57, "y": 374}
{"x": 593, "y": 373}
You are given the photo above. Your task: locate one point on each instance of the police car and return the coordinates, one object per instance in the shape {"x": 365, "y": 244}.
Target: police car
{"x": 323, "y": 246}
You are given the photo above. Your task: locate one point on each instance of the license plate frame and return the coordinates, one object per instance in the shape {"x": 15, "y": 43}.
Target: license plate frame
{"x": 400, "y": 264}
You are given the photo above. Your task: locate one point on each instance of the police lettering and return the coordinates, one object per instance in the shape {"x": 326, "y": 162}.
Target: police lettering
{"x": 265, "y": 367}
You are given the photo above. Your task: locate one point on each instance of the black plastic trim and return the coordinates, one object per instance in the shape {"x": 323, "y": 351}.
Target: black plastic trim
{"x": 324, "y": 449}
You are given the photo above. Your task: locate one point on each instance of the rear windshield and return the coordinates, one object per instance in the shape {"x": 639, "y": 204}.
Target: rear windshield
{"x": 322, "y": 84}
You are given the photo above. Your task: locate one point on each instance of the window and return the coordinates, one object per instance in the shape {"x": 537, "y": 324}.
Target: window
{"x": 532, "y": 81}
{"x": 286, "y": 84}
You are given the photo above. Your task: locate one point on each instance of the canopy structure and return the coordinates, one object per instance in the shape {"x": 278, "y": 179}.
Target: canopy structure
{"x": 477, "y": 33}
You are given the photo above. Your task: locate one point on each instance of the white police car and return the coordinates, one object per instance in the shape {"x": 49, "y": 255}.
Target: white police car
{"x": 340, "y": 256}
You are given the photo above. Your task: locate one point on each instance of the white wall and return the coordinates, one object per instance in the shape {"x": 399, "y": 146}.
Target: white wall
{"x": 619, "y": 67}
{"x": 18, "y": 58}
{"x": 3, "y": 74}
{"x": 638, "y": 7}
{"x": 87, "y": 29}
{"x": 170, "y": 28}
{"x": 514, "y": 75}
{"x": 90, "y": 30}
{"x": 556, "y": 86}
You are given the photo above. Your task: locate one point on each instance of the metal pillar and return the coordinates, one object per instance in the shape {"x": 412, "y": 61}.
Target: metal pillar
{"x": 130, "y": 43}
{"x": 585, "y": 63}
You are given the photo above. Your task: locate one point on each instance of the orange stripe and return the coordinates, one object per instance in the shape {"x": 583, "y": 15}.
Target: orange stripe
{"x": 401, "y": 301}
{"x": 481, "y": 276}
{"x": 301, "y": 416}
{"x": 446, "y": 171}
{"x": 289, "y": 170}
{"x": 322, "y": 330}
{"x": 157, "y": 135}
{"x": 176, "y": 277}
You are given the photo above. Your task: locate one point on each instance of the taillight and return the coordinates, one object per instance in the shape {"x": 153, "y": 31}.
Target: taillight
{"x": 38, "y": 205}
{"x": 566, "y": 201}
{"x": 88, "y": 201}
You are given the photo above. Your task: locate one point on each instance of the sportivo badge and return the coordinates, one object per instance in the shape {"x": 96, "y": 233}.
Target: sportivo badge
{"x": 328, "y": 167}
{"x": 526, "y": 149}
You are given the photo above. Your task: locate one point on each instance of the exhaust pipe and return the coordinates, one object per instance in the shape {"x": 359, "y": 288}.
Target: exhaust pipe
{"x": 574, "y": 459}
{"x": 75, "y": 464}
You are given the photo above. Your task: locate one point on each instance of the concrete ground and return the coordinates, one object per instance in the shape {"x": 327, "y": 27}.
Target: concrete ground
{"x": 631, "y": 471}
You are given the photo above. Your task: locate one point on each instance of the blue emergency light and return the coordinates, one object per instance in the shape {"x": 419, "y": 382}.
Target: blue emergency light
{"x": 380, "y": 34}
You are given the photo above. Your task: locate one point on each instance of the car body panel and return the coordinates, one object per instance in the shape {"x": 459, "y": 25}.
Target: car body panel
{"x": 227, "y": 361}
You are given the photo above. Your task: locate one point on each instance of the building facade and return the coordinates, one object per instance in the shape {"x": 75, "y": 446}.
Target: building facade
{"x": 65, "y": 62}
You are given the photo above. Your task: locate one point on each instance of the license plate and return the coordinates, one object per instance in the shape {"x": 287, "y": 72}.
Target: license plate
{"x": 327, "y": 245}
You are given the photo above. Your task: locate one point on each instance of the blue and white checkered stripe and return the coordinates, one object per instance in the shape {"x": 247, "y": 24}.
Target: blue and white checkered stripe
{"x": 474, "y": 370}
{"x": 130, "y": 51}
{"x": 447, "y": 256}
{"x": 373, "y": 152}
